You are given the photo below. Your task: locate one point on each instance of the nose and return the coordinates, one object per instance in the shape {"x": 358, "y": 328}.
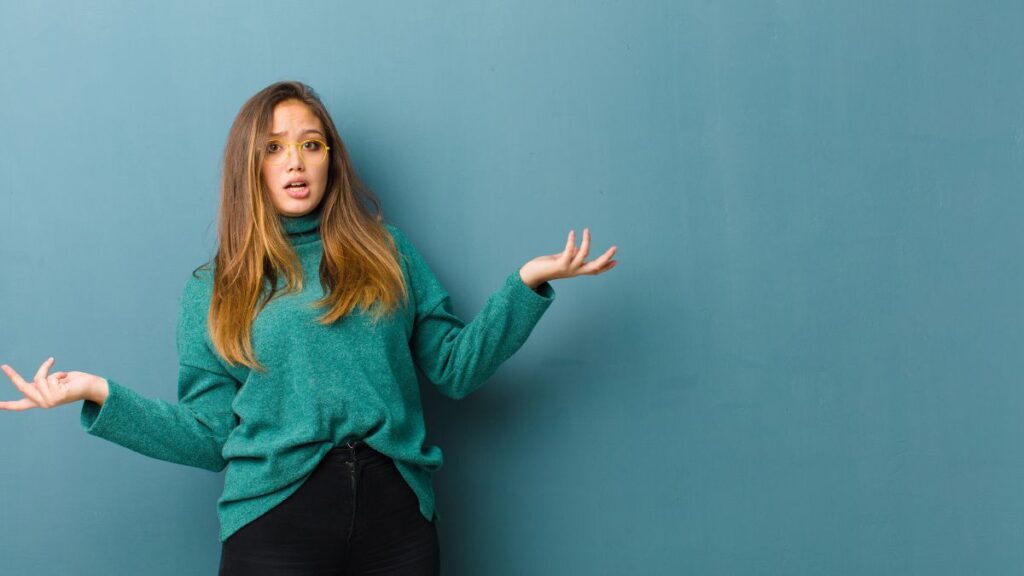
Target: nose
{"x": 294, "y": 161}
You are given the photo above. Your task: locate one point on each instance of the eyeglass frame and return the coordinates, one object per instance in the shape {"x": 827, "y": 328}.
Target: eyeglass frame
{"x": 289, "y": 145}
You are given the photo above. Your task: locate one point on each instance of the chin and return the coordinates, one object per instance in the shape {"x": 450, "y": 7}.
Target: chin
{"x": 297, "y": 206}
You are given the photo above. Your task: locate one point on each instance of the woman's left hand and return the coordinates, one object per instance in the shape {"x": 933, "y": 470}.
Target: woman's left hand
{"x": 566, "y": 264}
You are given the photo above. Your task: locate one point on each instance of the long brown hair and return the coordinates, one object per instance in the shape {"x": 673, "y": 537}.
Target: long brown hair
{"x": 359, "y": 264}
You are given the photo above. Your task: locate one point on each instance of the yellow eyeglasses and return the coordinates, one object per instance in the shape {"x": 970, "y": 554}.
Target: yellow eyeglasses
{"x": 312, "y": 151}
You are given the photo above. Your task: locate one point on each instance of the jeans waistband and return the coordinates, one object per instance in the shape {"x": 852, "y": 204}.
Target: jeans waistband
{"x": 353, "y": 447}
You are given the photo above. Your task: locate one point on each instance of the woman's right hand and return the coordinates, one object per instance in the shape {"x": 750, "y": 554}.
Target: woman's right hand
{"x": 48, "y": 391}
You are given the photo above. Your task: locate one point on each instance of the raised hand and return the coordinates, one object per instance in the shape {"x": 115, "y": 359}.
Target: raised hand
{"x": 568, "y": 263}
{"x": 48, "y": 391}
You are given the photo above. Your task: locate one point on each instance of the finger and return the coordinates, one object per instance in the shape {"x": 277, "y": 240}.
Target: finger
{"x": 43, "y": 369}
{"x": 581, "y": 255}
{"x": 52, "y": 391}
{"x": 44, "y": 384}
{"x": 596, "y": 266}
{"x": 607, "y": 255}
{"x": 11, "y": 373}
{"x": 25, "y": 388}
{"x": 599, "y": 270}
{"x": 570, "y": 246}
{"x": 17, "y": 405}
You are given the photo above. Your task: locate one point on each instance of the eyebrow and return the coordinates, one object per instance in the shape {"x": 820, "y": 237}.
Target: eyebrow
{"x": 306, "y": 132}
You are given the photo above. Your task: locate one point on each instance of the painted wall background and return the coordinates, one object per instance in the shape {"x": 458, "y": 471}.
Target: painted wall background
{"x": 807, "y": 362}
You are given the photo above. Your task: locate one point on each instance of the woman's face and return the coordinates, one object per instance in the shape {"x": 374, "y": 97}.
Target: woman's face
{"x": 296, "y": 180}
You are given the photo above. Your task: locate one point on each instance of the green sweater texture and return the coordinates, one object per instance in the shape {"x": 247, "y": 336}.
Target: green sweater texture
{"x": 323, "y": 385}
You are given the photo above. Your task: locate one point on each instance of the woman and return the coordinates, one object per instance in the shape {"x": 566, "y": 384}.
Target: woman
{"x": 297, "y": 348}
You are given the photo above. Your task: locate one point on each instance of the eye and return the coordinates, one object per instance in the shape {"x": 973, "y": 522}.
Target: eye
{"x": 312, "y": 145}
{"x": 273, "y": 147}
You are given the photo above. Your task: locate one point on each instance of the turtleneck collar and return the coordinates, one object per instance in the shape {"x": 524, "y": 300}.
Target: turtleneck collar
{"x": 303, "y": 229}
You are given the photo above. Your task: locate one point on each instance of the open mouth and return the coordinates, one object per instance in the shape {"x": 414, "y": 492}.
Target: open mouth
{"x": 297, "y": 189}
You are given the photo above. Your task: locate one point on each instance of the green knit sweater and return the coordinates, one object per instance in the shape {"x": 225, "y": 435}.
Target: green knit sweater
{"x": 323, "y": 385}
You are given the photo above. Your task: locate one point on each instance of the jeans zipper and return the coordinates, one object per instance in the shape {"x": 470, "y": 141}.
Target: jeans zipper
{"x": 352, "y": 476}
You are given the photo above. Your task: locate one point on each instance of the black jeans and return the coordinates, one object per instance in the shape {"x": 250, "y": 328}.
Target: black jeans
{"x": 354, "y": 515}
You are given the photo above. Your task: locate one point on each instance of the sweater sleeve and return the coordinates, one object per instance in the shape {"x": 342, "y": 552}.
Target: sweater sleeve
{"x": 191, "y": 432}
{"x": 458, "y": 357}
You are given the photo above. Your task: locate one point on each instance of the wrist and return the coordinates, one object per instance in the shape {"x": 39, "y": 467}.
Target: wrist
{"x": 530, "y": 282}
{"x": 99, "y": 391}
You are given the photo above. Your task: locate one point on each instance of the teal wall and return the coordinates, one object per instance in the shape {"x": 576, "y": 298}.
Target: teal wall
{"x": 807, "y": 362}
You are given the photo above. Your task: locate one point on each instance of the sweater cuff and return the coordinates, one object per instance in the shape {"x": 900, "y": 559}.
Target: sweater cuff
{"x": 103, "y": 421}
{"x": 538, "y": 300}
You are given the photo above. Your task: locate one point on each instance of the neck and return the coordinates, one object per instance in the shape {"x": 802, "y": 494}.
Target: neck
{"x": 303, "y": 229}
